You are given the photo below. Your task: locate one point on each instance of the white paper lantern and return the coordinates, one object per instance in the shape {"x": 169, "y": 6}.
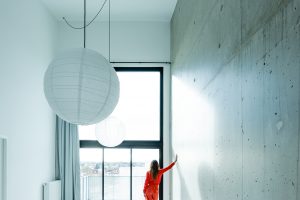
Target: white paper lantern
{"x": 81, "y": 86}
{"x": 110, "y": 132}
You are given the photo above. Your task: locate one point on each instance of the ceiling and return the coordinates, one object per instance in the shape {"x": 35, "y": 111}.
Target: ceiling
{"x": 121, "y": 10}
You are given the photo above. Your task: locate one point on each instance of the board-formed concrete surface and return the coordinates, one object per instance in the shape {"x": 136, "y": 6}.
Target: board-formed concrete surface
{"x": 235, "y": 99}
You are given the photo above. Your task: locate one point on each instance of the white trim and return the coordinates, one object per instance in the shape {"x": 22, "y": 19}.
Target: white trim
{"x": 166, "y": 128}
{"x": 3, "y": 196}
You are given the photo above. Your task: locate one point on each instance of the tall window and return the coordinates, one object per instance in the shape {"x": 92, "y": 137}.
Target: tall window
{"x": 119, "y": 173}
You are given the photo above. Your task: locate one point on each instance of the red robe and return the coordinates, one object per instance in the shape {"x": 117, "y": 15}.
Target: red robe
{"x": 151, "y": 185}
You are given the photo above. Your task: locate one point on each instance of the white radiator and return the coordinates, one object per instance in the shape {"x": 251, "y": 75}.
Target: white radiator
{"x": 52, "y": 190}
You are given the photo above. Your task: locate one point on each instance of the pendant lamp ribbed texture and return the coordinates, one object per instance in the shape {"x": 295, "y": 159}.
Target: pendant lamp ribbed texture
{"x": 81, "y": 86}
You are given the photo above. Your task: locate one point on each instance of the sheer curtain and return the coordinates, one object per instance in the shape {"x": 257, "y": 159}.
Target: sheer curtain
{"x": 67, "y": 167}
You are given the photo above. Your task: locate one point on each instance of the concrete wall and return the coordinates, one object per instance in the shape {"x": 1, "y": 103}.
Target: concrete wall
{"x": 28, "y": 38}
{"x": 235, "y": 99}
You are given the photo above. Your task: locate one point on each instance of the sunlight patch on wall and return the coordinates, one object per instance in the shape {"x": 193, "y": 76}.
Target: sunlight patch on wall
{"x": 193, "y": 123}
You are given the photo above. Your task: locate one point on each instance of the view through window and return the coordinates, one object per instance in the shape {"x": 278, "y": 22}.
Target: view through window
{"x": 119, "y": 173}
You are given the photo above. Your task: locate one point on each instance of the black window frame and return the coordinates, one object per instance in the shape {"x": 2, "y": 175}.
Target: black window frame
{"x": 136, "y": 144}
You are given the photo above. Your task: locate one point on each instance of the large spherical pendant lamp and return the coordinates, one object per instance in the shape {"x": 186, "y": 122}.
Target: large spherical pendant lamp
{"x": 110, "y": 132}
{"x": 81, "y": 86}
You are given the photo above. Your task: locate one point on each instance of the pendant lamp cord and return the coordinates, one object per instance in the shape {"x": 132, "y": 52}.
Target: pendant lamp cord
{"x": 109, "y": 30}
{"x": 82, "y": 27}
{"x": 84, "y": 23}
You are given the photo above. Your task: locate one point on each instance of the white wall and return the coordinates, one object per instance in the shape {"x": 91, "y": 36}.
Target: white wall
{"x": 235, "y": 99}
{"x": 28, "y": 40}
{"x": 130, "y": 41}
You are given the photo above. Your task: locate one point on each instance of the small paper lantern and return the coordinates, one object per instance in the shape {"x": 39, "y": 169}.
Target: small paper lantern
{"x": 110, "y": 132}
{"x": 81, "y": 86}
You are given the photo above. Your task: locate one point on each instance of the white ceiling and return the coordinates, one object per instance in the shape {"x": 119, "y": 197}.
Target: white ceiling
{"x": 121, "y": 10}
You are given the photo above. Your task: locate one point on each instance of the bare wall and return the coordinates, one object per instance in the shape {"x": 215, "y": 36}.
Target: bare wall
{"x": 235, "y": 99}
{"x": 129, "y": 41}
{"x": 28, "y": 42}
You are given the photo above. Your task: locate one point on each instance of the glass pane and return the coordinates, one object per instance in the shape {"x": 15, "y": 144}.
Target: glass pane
{"x": 138, "y": 105}
{"x": 116, "y": 174}
{"x": 91, "y": 174}
{"x": 86, "y": 132}
{"x": 141, "y": 159}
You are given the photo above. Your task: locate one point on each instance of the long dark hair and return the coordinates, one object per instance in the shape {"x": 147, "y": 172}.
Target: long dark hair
{"x": 154, "y": 169}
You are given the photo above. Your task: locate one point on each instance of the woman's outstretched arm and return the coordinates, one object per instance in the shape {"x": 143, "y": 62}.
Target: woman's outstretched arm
{"x": 170, "y": 166}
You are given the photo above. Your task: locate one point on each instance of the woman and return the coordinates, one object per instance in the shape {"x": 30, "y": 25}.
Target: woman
{"x": 153, "y": 177}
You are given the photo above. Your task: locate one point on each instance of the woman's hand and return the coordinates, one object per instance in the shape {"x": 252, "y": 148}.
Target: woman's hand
{"x": 176, "y": 158}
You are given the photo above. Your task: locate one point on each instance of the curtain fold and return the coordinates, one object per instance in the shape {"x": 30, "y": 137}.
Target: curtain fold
{"x": 67, "y": 167}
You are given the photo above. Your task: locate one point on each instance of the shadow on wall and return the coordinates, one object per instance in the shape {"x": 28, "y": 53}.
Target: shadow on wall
{"x": 184, "y": 193}
{"x": 205, "y": 182}
{"x": 205, "y": 185}
{"x": 201, "y": 189}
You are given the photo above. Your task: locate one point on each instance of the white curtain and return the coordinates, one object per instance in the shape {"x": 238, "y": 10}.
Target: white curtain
{"x": 67, "y": 167}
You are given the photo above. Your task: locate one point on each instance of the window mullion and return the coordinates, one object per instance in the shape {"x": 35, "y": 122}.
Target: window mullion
{"x": 102, "y": 173}
{"x": 130, "y": 173}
